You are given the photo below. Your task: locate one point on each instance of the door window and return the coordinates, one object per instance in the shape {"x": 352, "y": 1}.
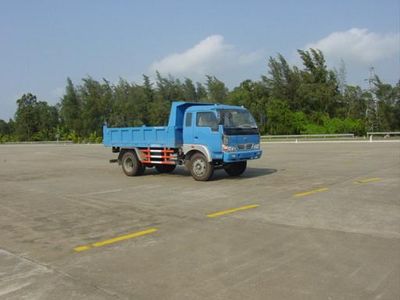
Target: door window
{"x": 206, "y": 119}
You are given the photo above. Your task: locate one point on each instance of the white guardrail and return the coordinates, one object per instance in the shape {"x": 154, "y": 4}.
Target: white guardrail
{"x": 384, "y": 134}
{"x": 38, "y": 143}
{"x": 309, "y": 136}
{"x": 380, "y": 136}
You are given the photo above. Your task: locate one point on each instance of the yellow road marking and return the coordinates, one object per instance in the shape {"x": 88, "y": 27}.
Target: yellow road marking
{"x": 232, "y": 210}
{"x": 115, "y": 240}
{"x": 81, "y": 248}
{"x": 310, "y": 192}
{"x": 366, "y": 180}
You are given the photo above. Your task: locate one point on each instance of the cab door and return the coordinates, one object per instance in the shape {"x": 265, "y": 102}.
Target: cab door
{"x": 188, "y": 128}
{"x": 206, "y": 131}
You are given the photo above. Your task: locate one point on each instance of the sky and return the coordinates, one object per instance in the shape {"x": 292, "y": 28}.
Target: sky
{"x": 44, "y": 42}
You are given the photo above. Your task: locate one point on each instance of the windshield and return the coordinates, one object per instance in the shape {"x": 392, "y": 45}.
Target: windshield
{"x": 236, "y": 118}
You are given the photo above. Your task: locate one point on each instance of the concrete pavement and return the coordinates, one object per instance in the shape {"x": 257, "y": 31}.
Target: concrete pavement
{"x": 317, "y": 221}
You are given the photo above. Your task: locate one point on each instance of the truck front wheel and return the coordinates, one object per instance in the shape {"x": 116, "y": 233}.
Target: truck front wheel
{"x": 131, "y": 165}
{"x": 200, "y": 168}
{"x": 236, "y": 169}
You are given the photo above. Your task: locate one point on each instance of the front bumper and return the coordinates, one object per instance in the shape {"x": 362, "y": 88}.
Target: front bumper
{"x": 241, "y": 155}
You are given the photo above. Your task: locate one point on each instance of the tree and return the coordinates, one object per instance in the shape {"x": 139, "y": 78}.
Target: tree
{"x": 47, "y": 121}
{"x": 280, "y": 118}
{"x": 25, "y": 117}
{"x": 4, "y": 128}
{"x": 96, "y": 100}
{"x": 7, "y": 131}
{"x": 286, "y": 100}
{"x": 35, "y": 120}
{"x": 387, "y": 98}
{"x": 201, "y": 92}
{"x": 216, "y": 89}
{"x": 130, "y": 104}
{"x": 318, "y": 90}
{"x": 71, "y": 109}
{"x": 168, "y": 89}
{"x": 283, "y": 81}
{"x": 354, "y": 103}
{"x": 189, "y": 91}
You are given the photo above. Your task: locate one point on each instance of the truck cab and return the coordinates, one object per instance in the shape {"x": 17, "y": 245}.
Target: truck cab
{"x": 201, "y": 136}
{"x": 229, "y": 132}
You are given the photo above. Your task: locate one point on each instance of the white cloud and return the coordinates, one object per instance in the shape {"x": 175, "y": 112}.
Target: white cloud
{"x": 359, "y": 46}
{"x": 210, "y": 56}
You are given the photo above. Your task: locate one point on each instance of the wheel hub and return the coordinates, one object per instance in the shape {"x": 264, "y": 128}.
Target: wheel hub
{"x": 128, "y": 164}
{"x": 199, "y": 167}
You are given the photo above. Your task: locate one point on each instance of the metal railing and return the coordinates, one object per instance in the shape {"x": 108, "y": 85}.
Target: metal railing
{"x": 389, "y": 133}
{"x": 384, "y": 134}
{"x": 309, "y": 136}
{"x": 37, "y": 143}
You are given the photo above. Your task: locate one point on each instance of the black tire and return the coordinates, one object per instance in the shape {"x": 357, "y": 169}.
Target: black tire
{"x": 236, "y": 169}
{"x": 165, "y": 168}
{"x": 200, "y": 168}
{"x": 131, "y": 165}
{"x": 141, "y": 169}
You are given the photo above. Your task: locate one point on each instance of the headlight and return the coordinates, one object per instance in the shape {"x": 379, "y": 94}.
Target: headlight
{"x": 226, "y": 148}
{"x": 256, "y": 146}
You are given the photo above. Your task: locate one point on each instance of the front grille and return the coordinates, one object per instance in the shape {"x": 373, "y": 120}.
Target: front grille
{"x": 245, "y": 146}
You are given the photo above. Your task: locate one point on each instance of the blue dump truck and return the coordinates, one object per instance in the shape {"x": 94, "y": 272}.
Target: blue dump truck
{"x": 201, "y": 136}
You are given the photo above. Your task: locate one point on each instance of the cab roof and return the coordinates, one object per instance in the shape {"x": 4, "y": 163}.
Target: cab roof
{"x": 178, "y": 109}
{"x": 210, "y": 106}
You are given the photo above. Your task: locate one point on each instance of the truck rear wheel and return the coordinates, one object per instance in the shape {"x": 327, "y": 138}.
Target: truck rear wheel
{"x": 236, "y": 169}
{"x": 165, "y": 168}
{"x": 131, "y": 165}
{"x": 200, "y": 168}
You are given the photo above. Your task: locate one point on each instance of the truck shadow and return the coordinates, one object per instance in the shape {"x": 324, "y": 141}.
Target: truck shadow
{"x": 219, "y": 174}
{"x": 249, "y": 173}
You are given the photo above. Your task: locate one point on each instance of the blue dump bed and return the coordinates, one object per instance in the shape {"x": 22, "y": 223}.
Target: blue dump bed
{"x": 140, "y": 137}
{"x": 169, "y": 136}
